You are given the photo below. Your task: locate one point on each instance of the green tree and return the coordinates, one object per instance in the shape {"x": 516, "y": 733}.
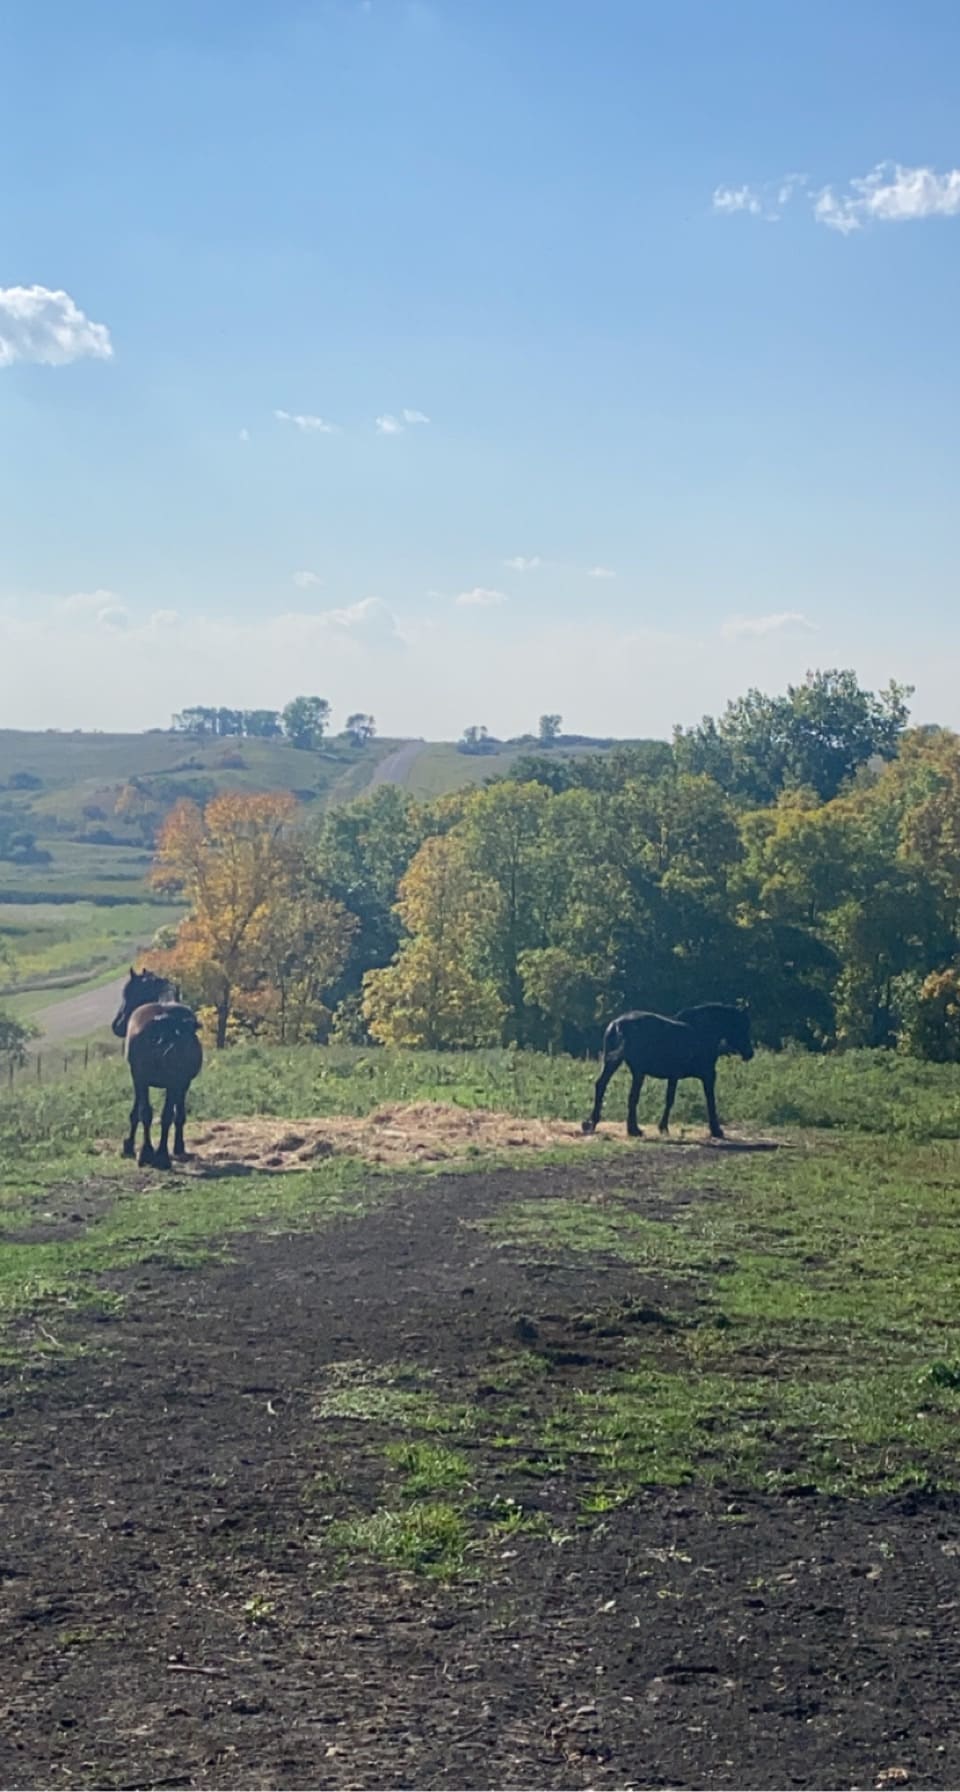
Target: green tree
{"x": 549, "y": 729}
{"x": 305, "y": 721}
{"x": 360, "y": 728}
{"x": 818, "y": 735}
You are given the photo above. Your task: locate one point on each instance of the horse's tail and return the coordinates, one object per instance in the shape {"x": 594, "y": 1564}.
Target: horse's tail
{"x": 614, "y": 1044}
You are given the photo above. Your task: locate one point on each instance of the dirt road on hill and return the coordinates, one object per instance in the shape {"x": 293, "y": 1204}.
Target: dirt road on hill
{"x": 76, "y": 1017}
{"x": 395, "y": 768}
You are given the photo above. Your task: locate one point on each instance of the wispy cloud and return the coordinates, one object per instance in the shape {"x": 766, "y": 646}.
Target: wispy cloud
{"x": 480, "y": 597}
{"x": 737, "y": 199}
{"x": 244, "y": 435}
{"x": 306, "y": 423}
{"x": 890, "y": 194}
{"x": 738, "y": 627}
{"x": 389, "y": 426}
{"x": 39, "y": 324}
{"x": 601, "y": 572}
{"x": 415, "y": 417}
{"x": 524, "y": 562}
{"x": 766, "y": 202}
{"x": 102, "y": 607}
{"x": 305, "y": 580}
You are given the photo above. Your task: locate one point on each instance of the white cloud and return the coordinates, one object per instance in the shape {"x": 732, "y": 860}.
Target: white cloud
{"x": 38, "y": 324}
{"x": 524, "y": 562}
{"x": 480, "y": 597}
{"x": 244, "y": 435}
{"x": 766, "y": 202}
{"x": 890, "y": 194}
{"x": 737, "y": 199}
{"x": 307, "y": 424}
{"x": 102, "y": 607}
{"x": 737, "y": 627}
{"x": 601, "y": 572}
{"x": 389, "y": 426}
{"x": 304, "y": 580}
{"x": 415, "y": 417}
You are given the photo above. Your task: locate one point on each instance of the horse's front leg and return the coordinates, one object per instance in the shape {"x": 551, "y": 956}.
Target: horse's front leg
{"x": 633, "y": 1128}
{"x": 709, "y": 1090}
{"x": 599, "y": 1093}
{"x": 130, "y": 1142}
{"x": 668, "y": 1105}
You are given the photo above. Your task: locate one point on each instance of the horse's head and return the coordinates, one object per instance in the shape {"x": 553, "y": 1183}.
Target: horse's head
{"x": 140, "y": 987}
{"x": 738, "y": 1033}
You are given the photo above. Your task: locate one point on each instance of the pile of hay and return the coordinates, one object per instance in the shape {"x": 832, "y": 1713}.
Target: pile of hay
{"x": 414, "y": 1132}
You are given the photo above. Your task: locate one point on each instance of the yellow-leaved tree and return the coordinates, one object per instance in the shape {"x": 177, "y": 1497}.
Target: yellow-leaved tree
{"x": 260, "y": 945}
{"x": 438, "y": 990}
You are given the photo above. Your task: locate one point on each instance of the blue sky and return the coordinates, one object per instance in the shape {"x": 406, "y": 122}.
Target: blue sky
{"x": 707, "y": 411}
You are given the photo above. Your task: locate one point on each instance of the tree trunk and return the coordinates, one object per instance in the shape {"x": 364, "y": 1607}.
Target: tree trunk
{"x": 223, "y": 1015}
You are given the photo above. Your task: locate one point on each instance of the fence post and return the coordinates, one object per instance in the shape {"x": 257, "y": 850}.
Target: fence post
{"x": 39, "y": 1068}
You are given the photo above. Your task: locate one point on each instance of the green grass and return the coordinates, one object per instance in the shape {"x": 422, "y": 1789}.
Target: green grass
{"x": 428, "y": 1538}
{"x": 52, "y": 943}
{"x": 77, "y": 770}
{"x": 874, "y": 1093}
{"x": 824, "y": 1340}
{"x": 440, "y": 768}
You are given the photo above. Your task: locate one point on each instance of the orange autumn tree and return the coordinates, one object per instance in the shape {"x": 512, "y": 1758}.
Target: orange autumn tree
{"x": 231, "y": 863}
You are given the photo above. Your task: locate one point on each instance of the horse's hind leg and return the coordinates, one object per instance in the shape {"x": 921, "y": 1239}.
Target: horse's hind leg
{"x": 162, "y": 1155}
{"x": 146, "y": 1115}
{"x": 633, "y": 1128}
{"x": 610, "y": 1065}
{"x": 668, "y": 1105}
{"x": 179, "y": 1122}
{"x": 709, "y": 1090}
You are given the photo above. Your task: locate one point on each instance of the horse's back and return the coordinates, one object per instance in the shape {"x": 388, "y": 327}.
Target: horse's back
{"x": 152, "y": 1042}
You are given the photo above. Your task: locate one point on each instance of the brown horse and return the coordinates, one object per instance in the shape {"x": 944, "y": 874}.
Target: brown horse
{"x": 163, "y": 1051}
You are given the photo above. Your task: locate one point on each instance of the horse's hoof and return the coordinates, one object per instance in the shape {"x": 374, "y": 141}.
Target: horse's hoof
{"x": 162, "y": 1161}
{"x": 587, "y": 1126}
{"x": 183, "y": 1157}
{"x": 146, "y": 1160}
{"x": 633, "y": 1132}
{"x": 718, "y": 1134}
{"x": 128, "y": 1150}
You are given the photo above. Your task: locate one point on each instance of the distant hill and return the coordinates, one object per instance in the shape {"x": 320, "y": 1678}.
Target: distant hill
{"x": 82, "y": 809}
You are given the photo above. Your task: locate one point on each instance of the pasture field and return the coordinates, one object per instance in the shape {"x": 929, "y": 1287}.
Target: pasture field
{"x": 609, "y": 1464}
{"x": 55, "y": 944}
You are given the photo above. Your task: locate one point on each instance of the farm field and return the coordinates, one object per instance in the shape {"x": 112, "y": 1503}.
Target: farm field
{"x": 598, "y": 1464}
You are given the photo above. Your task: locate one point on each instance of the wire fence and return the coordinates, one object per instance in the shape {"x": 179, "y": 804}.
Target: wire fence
{"x": 56, "y": 1061}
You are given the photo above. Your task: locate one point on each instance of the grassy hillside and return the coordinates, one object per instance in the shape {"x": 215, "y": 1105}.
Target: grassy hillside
{"x": 75, "y": 779}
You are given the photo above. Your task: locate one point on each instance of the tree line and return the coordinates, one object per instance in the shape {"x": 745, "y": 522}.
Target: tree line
{"x": 802, "y": 852}
{"x": 303, "y": 722}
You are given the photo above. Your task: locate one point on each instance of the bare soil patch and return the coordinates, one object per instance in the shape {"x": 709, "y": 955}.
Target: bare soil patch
{"x": 169, "y": 1616}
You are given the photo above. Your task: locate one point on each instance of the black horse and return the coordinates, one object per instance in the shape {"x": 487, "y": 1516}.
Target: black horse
{"x": 163, "y": 1051}
{"x": 687, "y": 1045}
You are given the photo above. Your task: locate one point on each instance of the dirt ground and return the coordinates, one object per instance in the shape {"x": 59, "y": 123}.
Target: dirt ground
{"x": 167, "y": 1619}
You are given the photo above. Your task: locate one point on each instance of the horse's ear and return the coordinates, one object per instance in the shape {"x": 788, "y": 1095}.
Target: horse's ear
{"x": 132, "y": 971}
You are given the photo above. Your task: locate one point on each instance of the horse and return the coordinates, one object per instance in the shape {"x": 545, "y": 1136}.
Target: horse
{"x": 689, "y": 1044}
{"x": 162, "y": 1048}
